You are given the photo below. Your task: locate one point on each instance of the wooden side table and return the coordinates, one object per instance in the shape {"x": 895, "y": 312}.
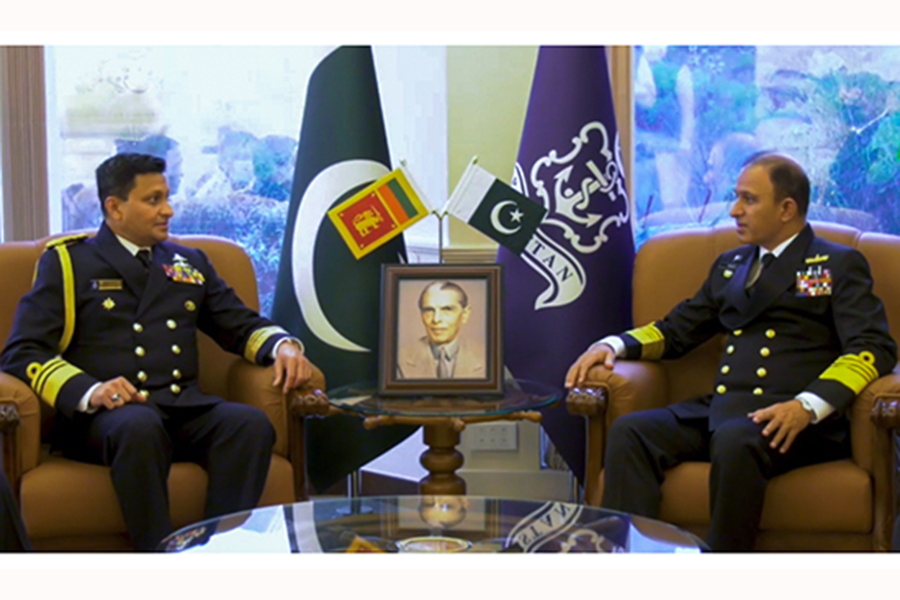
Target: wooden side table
{"x": 443, "y": 418}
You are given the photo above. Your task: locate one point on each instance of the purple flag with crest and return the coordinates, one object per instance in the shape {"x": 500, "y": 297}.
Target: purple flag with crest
{"x": 572, "y": 284}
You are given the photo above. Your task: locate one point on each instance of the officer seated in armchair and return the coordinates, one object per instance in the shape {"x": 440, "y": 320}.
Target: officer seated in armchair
{"x": 108, "y": 337}
{"x": 805, "y": 335}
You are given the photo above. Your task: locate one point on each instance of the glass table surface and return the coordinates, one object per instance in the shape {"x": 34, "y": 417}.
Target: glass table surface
{"x": 519, "y": 395}
{"x": 398, "y": 524}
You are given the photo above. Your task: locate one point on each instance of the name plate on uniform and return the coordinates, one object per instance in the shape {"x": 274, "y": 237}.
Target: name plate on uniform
{"x": 106, "y": 285}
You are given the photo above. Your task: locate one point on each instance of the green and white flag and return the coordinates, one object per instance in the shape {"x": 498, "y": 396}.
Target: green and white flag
{"x": 324, "y": 295}
{"x": 495, "y": 209}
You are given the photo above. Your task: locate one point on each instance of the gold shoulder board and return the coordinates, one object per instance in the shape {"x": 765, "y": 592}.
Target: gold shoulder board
{"x": 67, "y": 240}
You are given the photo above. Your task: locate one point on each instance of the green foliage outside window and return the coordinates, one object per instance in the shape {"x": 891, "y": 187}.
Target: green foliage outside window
{"x": 701, "y": 111}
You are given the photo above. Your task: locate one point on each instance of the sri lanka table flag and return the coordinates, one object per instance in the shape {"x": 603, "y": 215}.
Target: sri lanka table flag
{"x": 379, "y": 213}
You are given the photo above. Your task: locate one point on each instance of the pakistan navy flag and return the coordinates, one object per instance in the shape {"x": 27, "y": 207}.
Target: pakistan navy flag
{"x": 325, "y": 296}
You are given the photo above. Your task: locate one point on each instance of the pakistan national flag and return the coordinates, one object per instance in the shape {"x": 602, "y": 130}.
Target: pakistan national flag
{"x": 324, "y": 295}
{"x": 495, "y": 209}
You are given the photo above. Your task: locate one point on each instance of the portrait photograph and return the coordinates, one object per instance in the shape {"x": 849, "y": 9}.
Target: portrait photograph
{"x": 441, "y": 329}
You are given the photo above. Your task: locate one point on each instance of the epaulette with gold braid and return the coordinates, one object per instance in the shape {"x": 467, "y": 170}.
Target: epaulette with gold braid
{"x": 67, "y": 240}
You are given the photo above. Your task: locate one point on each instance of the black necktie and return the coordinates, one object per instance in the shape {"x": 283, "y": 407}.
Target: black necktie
{"x": 765, "y": 261}
{"x": 145, "y": 257}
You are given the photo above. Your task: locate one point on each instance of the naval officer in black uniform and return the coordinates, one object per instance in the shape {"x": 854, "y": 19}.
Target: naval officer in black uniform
{"x": 805, "y": 335}
{"x": 107, "y": 336}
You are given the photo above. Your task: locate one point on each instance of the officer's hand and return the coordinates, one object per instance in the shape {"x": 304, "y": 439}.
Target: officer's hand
{"x": 115, "y": 393}
{"x": 785, "y": 420}
{"x": 595, "y": 355}
{"x": 291, "y": 368}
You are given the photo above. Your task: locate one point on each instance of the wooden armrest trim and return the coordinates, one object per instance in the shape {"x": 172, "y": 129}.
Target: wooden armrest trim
{"x": 587, "y": 401}
{"x": 9, "y": 419}
{"x": 9, "y": 451}
{"x": 886, "y": 412}
{"x": 308, "y": 402}
{"x": 311, "y": 403}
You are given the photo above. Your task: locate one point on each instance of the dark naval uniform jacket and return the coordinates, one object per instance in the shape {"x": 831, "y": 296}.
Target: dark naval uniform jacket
{"x": 91, "y": 317}
{"x": 810, "y": 323}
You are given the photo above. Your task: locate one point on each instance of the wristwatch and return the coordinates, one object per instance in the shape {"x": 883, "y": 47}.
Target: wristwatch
{"x": 808, "y": 407}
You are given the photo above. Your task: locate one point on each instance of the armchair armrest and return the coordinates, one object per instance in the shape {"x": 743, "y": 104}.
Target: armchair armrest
{"x": 630, "y": 386}
{"x": 9, "y": 454}
{"x": 881, "y": 401}
{"x": 607, "y": 395}
{"x": 20, "y": 427}
{"x": 876, "y": 408}
{"x": 252, "y": 384}
{"x": 874, "y": 416}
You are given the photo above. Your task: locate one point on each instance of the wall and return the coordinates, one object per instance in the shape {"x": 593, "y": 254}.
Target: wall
{"x": 487, "y": 94}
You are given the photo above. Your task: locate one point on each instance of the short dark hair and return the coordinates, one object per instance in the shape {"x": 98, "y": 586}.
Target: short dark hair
{"x": 115, "y": 175}
{"x": 445, "y": 285}
{"x": 787, "y": 177}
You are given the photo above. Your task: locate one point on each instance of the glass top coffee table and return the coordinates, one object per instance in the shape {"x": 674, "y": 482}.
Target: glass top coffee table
{"x": 443, "y": 418}
{"x": 431, "y": 524}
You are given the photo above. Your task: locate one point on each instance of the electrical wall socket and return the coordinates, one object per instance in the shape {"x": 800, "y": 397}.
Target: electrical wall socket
{"x": 493, "y": 436}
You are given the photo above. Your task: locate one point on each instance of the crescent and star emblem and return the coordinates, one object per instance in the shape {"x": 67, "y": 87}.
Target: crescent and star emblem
{"x": 515, "y": 215}
{"x": 323, "y": 190}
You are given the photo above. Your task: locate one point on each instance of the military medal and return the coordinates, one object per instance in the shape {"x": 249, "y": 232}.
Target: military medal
{"x": 814, "y": 281}
{"x": 181, "y": 271}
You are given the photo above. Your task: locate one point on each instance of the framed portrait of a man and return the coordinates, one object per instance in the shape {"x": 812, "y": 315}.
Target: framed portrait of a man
{"x": 441, "y": 330}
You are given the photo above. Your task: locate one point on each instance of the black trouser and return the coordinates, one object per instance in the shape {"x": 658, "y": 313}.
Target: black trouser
{"x": 139, "y": 442}
{"x": 12, "y": 530}
{"x": 643, "y": 445}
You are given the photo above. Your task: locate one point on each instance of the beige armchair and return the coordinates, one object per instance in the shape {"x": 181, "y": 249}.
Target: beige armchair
{"x": 842, "y": 505}
{"x": 68, "y": 505}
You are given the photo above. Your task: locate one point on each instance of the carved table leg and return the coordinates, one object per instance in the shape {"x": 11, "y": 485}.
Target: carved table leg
{"x": 442, "y": 459}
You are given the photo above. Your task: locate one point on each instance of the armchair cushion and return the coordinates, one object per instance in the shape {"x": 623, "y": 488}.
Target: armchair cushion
{"x": 793, "y": 500}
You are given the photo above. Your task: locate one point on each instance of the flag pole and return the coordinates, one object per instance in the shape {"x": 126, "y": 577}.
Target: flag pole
{"x": 443, "y": 213}
{"x": 440, "y": 217}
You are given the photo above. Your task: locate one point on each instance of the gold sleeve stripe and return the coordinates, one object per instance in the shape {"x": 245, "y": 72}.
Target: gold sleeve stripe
{"x": 68, "y": 275}
{"x": 51, "y": 377}
{"x": 851, "y": 370}
{"x": 44, "y": 371}
{"x": 258, "y": 338}
{"x": 651, "y": 339}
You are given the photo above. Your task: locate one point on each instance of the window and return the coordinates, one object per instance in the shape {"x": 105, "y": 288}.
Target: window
{"x": 700, "y": 111}
{"x": 227, "y": 120}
